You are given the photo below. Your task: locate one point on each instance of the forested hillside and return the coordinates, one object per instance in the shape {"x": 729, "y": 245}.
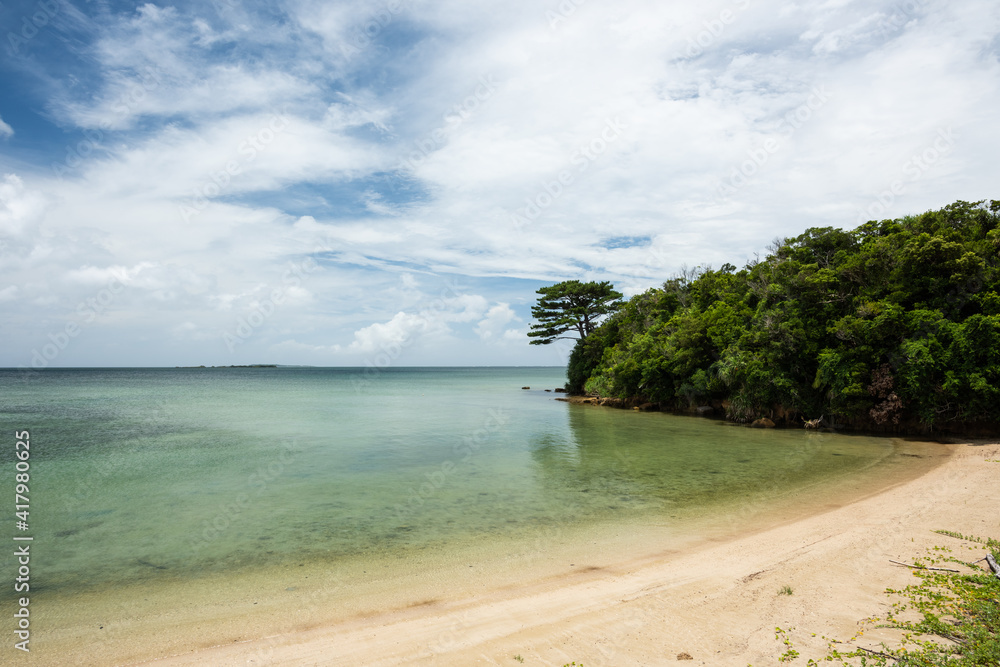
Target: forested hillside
{"x": 892, "y": 326}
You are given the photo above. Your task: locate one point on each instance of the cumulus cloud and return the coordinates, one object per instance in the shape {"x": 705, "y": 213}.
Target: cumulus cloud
{"x": 6, "y": 131}
{"x": 397, "y": 333}
{"x": 19, "y": 206}
{"x": 491, "y": 327}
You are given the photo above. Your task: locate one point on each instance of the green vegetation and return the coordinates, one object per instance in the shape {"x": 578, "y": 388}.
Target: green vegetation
{"x": 892, "y": 326}
{"x": 571, "y": 306}
{"x": 785, "y": 590}
{"x": 949, "y": 619}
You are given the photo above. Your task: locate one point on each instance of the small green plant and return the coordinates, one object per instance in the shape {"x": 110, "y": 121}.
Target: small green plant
{"x": 790, "y": 652}
{"x": 785, "y": 590}
{"x": 952, "y": 617}
{"x": 519, "y": 658}
{"x": 960, "y": 536}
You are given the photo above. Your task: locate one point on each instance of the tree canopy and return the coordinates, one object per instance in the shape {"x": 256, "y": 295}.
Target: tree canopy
{"x": 892, "y": 326}
{"x": 571, "y": 306}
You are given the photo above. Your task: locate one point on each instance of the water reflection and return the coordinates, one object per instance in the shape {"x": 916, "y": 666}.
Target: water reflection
{"x": 620, "y": 461}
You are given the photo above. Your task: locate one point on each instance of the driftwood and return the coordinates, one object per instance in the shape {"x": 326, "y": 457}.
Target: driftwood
{"x": 922, "y": 567}
{"x": 812, "y": 423}
{"x": 992, "y": 562}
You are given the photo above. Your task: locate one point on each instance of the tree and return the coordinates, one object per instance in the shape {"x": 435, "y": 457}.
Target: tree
{"x": 571, "y": 306}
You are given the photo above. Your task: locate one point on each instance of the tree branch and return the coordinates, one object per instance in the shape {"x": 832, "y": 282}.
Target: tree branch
{"x": 923, "y": 567}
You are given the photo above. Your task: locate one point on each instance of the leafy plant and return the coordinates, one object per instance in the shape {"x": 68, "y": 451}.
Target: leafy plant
{"x": 949, "y": 619}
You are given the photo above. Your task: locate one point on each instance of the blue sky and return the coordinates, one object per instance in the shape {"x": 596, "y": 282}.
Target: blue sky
{"x": 352, "y": 183}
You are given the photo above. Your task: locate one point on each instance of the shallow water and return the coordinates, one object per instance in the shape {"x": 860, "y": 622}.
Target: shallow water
{"x": 145, "y": 475}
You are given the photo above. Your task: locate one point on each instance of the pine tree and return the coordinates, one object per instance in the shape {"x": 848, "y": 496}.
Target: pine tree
{"x": 571, "y": 306}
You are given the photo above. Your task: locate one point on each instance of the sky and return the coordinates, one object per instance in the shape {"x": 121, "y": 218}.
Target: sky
{"x": 388, "y": 183}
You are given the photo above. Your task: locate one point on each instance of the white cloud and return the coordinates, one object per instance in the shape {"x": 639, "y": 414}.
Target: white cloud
{"x": 490, "y": 328}
{"x": 394, "y": 335}
{"x": 91, "y": 275}
{"x": 6, "y": 131}
{"x": 20, "y": 208}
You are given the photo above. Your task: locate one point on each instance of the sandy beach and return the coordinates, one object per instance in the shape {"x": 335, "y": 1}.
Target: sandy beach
{"x": 717, "y": 602}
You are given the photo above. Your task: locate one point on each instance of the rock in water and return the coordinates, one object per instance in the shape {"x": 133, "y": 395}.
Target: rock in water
{"x": 763, "y": 422}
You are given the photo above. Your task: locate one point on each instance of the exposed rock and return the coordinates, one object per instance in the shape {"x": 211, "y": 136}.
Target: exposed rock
{"x": 763, "y": 422}
{"x": 560, "y": 390}
{"x": 704, "y": 410}
{"x": 684, "y": 656}
{"x": 647, "y": 407}
{"x": 525, "y": 387}
{"x": 549, "y": 390}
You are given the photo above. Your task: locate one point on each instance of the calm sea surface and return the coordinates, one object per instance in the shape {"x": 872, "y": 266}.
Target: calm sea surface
{"x": 144, "y": 473}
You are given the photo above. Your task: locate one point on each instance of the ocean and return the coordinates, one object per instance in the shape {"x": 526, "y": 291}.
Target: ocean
{"x": 173, "y": 483}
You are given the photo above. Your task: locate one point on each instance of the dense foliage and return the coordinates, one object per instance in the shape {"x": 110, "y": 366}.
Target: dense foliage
{"x": 893, "y": 325}
{"x": 571, "y": 307}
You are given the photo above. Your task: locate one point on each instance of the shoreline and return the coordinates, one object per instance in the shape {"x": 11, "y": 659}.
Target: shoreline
{"x": 944, "y": 433}
{"x": 716, "y": 600}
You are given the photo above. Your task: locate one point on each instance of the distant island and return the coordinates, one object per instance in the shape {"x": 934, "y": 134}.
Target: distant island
{"x": 894, "y": 327}
{"x": 246, "y": 366}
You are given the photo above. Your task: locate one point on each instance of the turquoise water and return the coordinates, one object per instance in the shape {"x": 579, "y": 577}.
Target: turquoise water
{"x": 145, "y": 474}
